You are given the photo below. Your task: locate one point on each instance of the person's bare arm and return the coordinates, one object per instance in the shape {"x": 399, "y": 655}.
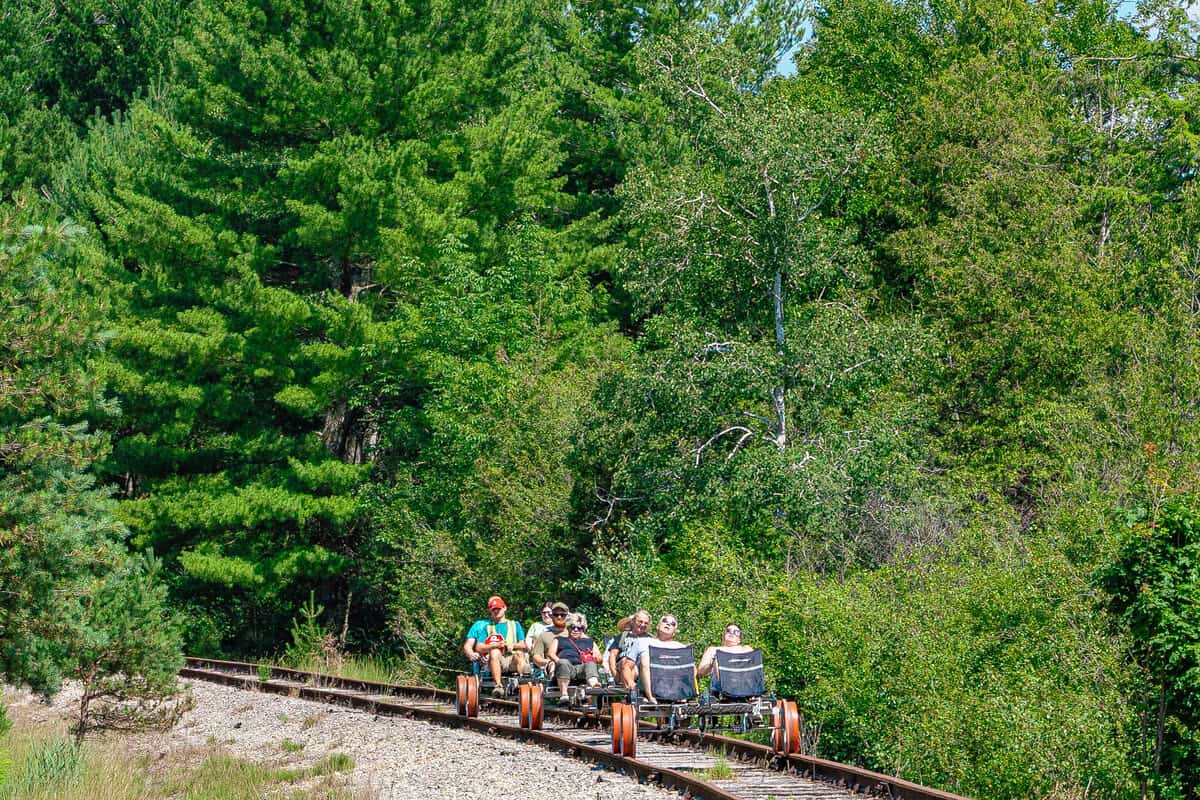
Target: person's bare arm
{"x": 644, "y": 659}
{"x": 539, "y": 658}
{"x": 626, "y": 623}
{"x": 706, "y": 661}
{"x": 469, "y": 650}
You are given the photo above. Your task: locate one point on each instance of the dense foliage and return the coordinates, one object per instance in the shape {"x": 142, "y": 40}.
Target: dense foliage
{"x": 75, "y": 603}
{"x": 860, "y": 323}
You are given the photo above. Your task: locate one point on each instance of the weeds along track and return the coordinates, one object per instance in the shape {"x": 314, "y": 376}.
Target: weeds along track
{"x": 702, "y": 766}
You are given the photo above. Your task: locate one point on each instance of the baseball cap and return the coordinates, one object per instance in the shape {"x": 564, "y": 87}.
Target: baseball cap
{"x": 496, "y": 601}
{"x": 560, "y": 606}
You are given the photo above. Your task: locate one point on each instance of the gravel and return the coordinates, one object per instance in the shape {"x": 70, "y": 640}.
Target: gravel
{"x": 395, "y": 759}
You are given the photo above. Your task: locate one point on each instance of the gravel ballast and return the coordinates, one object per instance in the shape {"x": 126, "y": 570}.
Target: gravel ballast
{"x": 395, "y": 758}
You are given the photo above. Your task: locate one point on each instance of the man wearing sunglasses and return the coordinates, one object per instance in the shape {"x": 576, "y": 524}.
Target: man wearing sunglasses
{"x": 540, "y": 653}
{"x": 541, "y": 626}
{"x": 616, "y": 659}
{"x": 664, "y": 637}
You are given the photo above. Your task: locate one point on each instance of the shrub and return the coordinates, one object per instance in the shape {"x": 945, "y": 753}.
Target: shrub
{"x": 984, "y": 671}
{"x": 1153, "y": 589}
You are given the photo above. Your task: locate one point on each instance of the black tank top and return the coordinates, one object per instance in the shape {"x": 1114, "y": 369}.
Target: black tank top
{"x": 572, "y": 649}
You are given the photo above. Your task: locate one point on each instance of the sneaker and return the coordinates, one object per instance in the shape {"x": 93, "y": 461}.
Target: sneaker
{"x": 498, "y": 691}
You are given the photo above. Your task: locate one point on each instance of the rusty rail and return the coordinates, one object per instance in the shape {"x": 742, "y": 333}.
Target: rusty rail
{"x": 329, "y": 689}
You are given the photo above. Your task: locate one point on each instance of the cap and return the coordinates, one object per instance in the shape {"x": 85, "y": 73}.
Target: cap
{"x": 496, "y": 601}
{"x": 560, "y": 606}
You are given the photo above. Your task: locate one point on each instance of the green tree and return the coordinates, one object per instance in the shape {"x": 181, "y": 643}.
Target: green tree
{"x": 1153, "y": 589}
{"x": 763, "y": 396}
{"x": 314, "y": 222}
{"x": 74, "y": 604}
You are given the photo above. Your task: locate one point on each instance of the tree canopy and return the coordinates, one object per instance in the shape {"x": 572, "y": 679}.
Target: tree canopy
{"x": 861, "y": 321}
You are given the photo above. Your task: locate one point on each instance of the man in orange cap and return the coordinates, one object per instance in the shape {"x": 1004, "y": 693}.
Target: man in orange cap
{"x": 499, "y": 641}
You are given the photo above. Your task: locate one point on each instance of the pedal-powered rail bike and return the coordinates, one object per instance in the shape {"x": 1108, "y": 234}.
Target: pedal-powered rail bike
{"x": 737, "y": 701}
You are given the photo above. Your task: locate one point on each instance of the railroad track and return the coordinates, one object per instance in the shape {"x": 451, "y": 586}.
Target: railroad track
{"x": 678, "y": 760}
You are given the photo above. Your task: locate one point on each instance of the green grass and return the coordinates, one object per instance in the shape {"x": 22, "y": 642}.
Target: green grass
{"x": 720, "y": 771}
{"x": 288, "y": 746}
{"x": 222, "y": 777}
{"x": 50, "y": 768}
{"x": 377, "y": 669}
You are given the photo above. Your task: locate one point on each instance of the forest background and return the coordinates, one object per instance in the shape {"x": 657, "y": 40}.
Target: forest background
{"x": 396, "y": 305}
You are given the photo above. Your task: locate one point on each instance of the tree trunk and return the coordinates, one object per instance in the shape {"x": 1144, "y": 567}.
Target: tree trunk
{"x": 779, "y": 392}
{"x": 85, "y": 702}
{"x": 1162, "y": 724}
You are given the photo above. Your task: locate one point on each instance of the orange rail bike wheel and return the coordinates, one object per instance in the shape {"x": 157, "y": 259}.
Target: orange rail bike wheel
{"x": 536, "y": 707}
{"x": 791, "y": 720}
{"x": 472, "y": 695}
{"x": 618, "y": 716}
{"x": 778, "y": 730}
{"x": 460, "y": 695}
{"x": 629, "y": 737}
{"x": 524, "y": 705}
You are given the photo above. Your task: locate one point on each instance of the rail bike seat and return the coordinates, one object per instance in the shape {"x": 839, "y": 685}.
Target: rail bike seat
{"x": 738, "y": 677}
{"x": 672, "y": 674}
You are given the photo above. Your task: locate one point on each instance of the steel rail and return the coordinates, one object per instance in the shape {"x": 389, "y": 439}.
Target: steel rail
{"x": 318, "y": 687}
{"x": 649, "y": 773}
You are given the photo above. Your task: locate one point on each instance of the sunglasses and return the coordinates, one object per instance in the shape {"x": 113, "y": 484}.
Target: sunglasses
{"x": 668, "y": 622}
{"x": 546, "y": 611}
{"x": 733, "y": 631}
{"x": 577, "y": 628}
{"x": 559, "y": 614}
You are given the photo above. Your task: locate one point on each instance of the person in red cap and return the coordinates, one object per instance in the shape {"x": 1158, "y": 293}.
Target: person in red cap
{"x": 498, "y": 641}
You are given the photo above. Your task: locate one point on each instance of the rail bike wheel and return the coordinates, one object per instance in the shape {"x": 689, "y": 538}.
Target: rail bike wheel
{"x": 472, "y": 695}
{"x": 629, "y": 735}
{"x": 618, "y": 715}
{"x": 791, "y": 720}
{"x": 778, "y": 736}
{"x": 460, "y": 695}
{"x": 785, "y": 727}
{"x": 525, "y": 705}
{"x": 536, "y": 707}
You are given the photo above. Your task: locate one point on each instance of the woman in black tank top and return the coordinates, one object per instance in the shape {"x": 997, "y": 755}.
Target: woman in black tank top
{"x": 575, "y": 655}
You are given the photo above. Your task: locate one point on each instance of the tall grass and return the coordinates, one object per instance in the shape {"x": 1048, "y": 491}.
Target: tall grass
{"x": 379, "y": 669}
{"x": 221, "y": 777}
{"x": 50, "y": 768}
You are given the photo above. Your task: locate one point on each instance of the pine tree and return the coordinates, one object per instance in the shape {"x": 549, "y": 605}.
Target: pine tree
{"x": 73, "y": 597}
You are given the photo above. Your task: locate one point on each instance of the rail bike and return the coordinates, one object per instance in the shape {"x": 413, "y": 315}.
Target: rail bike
{"x": 737, "y": 701}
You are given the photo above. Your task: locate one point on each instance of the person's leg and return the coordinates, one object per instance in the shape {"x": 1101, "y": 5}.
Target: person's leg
{"x": 628, "y": 675}
{"x": 521, "y": 663}
{"x": 563, "y": 674}
{"x": 592, "y": 674}
{"x": 496, "y": 664}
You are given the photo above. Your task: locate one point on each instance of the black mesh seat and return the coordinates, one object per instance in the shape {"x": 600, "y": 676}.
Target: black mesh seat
{"x": 672, "y": 673}
{"x": 739, "y": 674}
